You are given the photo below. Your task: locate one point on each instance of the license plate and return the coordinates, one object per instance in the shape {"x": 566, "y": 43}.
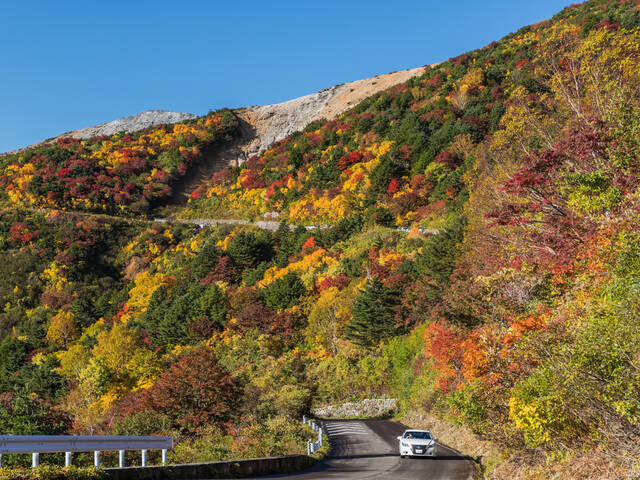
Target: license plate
{"x": 419, "y": 450}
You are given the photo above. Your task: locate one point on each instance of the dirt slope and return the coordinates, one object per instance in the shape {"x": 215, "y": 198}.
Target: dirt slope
{"x": 274, "y": 122}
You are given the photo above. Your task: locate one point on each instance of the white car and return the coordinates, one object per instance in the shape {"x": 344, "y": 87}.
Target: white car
{"x": 417, "y": 443}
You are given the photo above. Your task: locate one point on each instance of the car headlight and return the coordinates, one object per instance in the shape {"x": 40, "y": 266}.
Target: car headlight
{"x": 405, "y": 444}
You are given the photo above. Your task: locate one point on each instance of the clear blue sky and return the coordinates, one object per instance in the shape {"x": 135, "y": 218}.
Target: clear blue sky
{"x": 72, "y": 64}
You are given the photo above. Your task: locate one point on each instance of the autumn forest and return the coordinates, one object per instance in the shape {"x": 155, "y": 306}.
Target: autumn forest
{"x": 467, "y": 242}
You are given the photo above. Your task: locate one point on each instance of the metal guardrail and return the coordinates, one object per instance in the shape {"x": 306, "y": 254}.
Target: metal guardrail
{"x": 37, "y": 444}
{"x": 313, "y": 447}
{"x": 267, "y": 224}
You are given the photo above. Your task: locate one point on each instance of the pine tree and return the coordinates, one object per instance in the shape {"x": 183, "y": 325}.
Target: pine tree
{"x": 435, "y": 264}
{"x": 248, "y": 249}
{"x": 285, "y": 292}
{"x": 373, "y": 315}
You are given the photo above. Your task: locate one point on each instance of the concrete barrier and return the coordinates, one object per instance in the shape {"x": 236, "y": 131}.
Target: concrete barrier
{"x": 231, "y": 469}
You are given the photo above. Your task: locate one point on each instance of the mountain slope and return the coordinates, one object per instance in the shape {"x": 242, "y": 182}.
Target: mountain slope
{"x": 134, "y": 123}
{"x": 262, "y": 125}
{"x": 272, "y": 123}
{"x": 257, "y": 127}
{"x": 266, "y": 123}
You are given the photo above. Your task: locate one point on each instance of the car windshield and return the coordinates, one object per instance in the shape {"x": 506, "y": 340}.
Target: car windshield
{"x": 420, "y": 435}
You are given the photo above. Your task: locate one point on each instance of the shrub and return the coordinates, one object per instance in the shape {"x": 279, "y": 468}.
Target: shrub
{"x": 51, "y": 472}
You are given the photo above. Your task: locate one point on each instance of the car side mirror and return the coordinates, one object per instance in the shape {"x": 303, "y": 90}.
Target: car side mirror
{"x": 399, "y": 437}
{"x": 435, "y": 439}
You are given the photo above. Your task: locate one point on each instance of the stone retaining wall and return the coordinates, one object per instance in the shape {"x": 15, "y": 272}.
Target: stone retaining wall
{"x": 368, "y": 408}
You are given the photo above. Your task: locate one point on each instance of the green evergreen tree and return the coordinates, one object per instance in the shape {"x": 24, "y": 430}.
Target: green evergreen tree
{"x": 248, "y": 249}
{"x": 284, "y": 292}
{"x": 439, "y": 253}
{"x": 373, "y": 313}
{"x": 206, "y": 260}
{"x": 213, "y": 305}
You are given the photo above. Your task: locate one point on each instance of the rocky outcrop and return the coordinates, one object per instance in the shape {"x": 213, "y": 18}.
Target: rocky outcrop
{"x": 271, "y": 123}
{"x": 140, "y": 121}
{"x": 367, "y": 408}
{"x": 134, "y": 123}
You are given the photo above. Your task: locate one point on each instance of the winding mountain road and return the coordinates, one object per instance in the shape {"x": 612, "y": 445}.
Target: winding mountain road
{"x": 368, "y": 449}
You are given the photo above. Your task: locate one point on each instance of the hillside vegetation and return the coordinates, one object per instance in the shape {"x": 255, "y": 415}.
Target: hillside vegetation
{"x": 112, "y": 174}
{"x": 518, "y": 322}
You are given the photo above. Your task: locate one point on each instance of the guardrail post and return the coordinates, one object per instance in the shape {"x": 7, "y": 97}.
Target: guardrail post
{"x": 309, "y": 452}
{"x": 320, "y": 436}
{"x": 67, "y": 444}
{"x": 304, "y": 419}
{"x": 121, "y": 458}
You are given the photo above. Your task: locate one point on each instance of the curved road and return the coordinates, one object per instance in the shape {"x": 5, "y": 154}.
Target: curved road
{"x": 368, "y": 449}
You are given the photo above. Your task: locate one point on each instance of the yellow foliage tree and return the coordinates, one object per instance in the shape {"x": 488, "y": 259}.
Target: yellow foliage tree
{"x": 63, "y": 329}
{"x": 116, "y": 347}
{"x": 73, "y": 360}
{"x": 84, "y": 402}
{"x": 328, "y": 316}
{"x": 140, "y": 295}
{"x": 143, "y": 368}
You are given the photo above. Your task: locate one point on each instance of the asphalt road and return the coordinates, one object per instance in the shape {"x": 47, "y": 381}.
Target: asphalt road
{"x": 368, "y": 449}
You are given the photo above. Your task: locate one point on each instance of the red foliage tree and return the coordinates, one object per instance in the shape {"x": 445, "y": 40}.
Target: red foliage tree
{"x": 22, "y": 233}
{"x": 224, "y": 271}
{"x": 223, "y": 176}
{"x": 339, "y": 281}
{"x": 251, "y": 179}
{"x": 405, "y": 203}
{"x": 444, "y": 346}
{"x": 393, "y": 186}
{"x": 537, "y": 189}
{"x": 434, "y": 81}
{"x": 346, "y": 161}
{"x": 447, "y": 158}
{"x": 251, "y": 312}
{"x": 193, "y": 392}
{"x": 310, "y": 244}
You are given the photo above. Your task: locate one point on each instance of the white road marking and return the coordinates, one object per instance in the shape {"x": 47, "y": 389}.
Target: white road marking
{"x": 335, "y": 429}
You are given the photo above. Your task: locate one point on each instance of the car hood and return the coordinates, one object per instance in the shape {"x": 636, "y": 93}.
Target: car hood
{"x": 417, "y": 441}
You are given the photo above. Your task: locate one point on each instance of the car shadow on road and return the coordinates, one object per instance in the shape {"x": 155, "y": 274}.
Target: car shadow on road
{"x": 440, "y": 457}
{"x": 350, "y": 457}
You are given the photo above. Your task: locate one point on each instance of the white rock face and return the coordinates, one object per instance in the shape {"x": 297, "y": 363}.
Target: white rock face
{"x": 274, "y": 122}
{"x": 367, "y": 408}
{"x": 140, "y": 121}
